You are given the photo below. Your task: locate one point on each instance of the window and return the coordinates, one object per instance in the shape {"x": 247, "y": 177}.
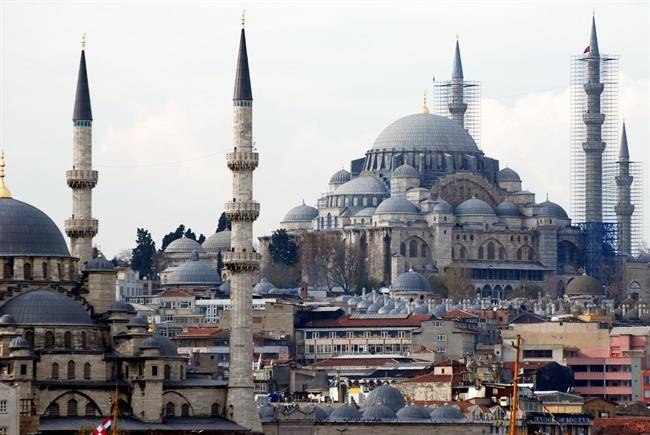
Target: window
{"x": 67, "y": 340}
{"x": 45, "y": 271}
{"x": 185, "y": 410}
{"x": 491, "y": 251}
{"x": 170, "y": 410}
{"x": 441, "y": 337}
{"x": 351, "y": 335}
{"x": 87, "y": 371}
{"x": 29, "y": 336}
{"x": 23, "y": 369}
{"x": 480, "y": 253}
{"x": 84, "y": 340}
{"x": 332, "y": 334}
{"x": 425, "y": 250}
{"x": 214, "y": 411}
{"x": 502, "y": 253}
{"x": 3, "y": 406}
{"x": 72, "y": 408}
{"x": 90, "y": 409}
{"x": 49, "y": 339}
{"x": 413, "y": 248}
{"x": 4, "y": 430}
{"x": 55, "y": 371}
{"x": 27, "y": 269}
{"x": 71, "y": 368}
{"x": 52, "y": 410}
{"x": 402, "y": 249}
{"x": 167, "y": 373}
{"x": 538, "y": 353}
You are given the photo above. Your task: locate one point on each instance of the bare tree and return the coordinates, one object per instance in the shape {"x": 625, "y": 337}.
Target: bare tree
{"x": 346, "y": 263}
{"x": 330, "y": 261}
{"x": 457, "y": 278}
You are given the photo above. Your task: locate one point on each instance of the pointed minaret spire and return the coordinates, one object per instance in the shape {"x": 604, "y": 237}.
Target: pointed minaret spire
{"x": 624, "y": 152}
{"x": 4, "y": 190}
{"x": 243, "y": 90}
{"x": 593, "y": 39}
{"x": 457, "y": 71}
{"x": 82, "y": 110}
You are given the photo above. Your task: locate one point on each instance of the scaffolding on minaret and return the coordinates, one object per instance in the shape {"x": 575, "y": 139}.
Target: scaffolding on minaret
{"x": 636, "y": 198}
{"x": 442, "y": 98}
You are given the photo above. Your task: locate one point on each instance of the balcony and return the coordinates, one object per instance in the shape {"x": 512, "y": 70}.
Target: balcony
{"x": 613, "y": 376}
{"x": 242, "y": 211}
{"x": 242, "y": 161}
{"x": 81, "y": 178}
{"x": 241, "y": 261}
{"x": 81, "y": 227}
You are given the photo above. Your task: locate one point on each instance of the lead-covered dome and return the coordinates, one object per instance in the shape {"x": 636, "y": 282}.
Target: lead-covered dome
{"x": 387, "y": 396}
{"x": 405, "y": 171}
{"x": 425, "y": 132}
{"x": 443, "y": 207}
{"x": 447, "y": 413}
{"x": 474, "y": 207}
{"x": 551, "y": 209}
{"x": 396, "y": 205}
{"x": 507, "y": 174}
{"x": 99, "y": 264}
{"x": 164, "y": 344}
{"x": 507, "y": 209}
{"x": 412, "y": 413}
{"x": 378, "y": 412}
{"x": 345, "y": 412}
{"x": 184, "y": 245}
{"x": 301, "y": 213}
{"x": 45, "y": 307}
{"x": 340, "y": 177}
{"x": 194, "y": 272}
{"x": 365, "y": 184}
{"x": 218, "y": 242}
{"x": 25, "y": 231}
{"x": 411, "y": 281}
{"x": 584, "y": 285}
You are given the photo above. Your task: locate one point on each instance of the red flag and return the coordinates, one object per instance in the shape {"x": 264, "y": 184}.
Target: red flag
{"x": 587, "y": 50}
{"x": 102, "y": 429}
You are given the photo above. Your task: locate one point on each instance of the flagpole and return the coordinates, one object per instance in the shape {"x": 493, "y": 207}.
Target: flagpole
{"x": 115, "y": 408}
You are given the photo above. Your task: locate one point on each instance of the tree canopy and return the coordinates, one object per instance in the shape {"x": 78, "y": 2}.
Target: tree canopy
{"x": 224, "y": 223}
{"x": 283, "y": 250}
{"x": 142, "y": 256}
{"x": 179, "y": 232}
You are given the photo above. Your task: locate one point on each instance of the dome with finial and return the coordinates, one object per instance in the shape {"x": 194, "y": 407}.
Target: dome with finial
{"x": 99, "y": 264}
{"x": 387, "y": 396}
{"x": 410, "y": 281}
{"x": 340, "y": 177}
{"x": 474, "y": 207}
{"x": 184, "y": 245}
{"x": 378, "y": 413}
{"x": 301, "y": 213}
{"x": 194, "y": 272}
{"x": 217, "y": 242}
{"x": 405, "y": 171}
{"x": 344, "y": 412}
{"x": 19, "y": 343}
{"x": 508, "y": 175}
{"x": 584, "y": 285}
{"x": 442, "y": 207}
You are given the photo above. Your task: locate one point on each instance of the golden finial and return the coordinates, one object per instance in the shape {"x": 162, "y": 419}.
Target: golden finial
{"x": 83, "y": 41}
{"x": 243, "y": 18}
{"x": 424, "y": 109}
{"x": 4, "y": 190}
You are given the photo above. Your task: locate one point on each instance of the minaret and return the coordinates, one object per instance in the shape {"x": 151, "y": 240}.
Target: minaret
{"x": 81, "y": 227}
{"x": 457, "y": 106}
{"x": 624, "y": 207}
{"x": 4, "y": 190}
{"x": 593, "y": 146}
{"x": 242, "y": 261}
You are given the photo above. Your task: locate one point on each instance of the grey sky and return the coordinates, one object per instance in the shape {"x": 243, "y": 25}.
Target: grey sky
{"x": 327, "y": 78}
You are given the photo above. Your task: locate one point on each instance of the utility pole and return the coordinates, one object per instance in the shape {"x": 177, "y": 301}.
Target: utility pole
{"x": 515, "y": 388}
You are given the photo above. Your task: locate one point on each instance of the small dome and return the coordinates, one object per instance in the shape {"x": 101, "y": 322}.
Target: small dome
{"x": 410, "y": 413}
{"x": 184, "y": 245}
{"x": 99, "y": 264}
{"x": 411, "y": 282}
{"x": 387, "y": 396}
{"x": 364, "y": 304}
{"x": 122, "y": 307}
{"x": 45, "y": 307}
{"x": 138, "y": 322}
{"x": 405, "y": 171}
{"x": 373, "y": 308}
{"x": 447, "y": 413}
{"x": 165, "y": 345}
{"x": 344, "y": 412}
{"x": 363, "y": 185}
{"x": 19, "y": 343}
{"x": 340, "y": 177}
{"x": 507, "y": 174}
{"x": 368, "y": 211}
{"x": 385, "y": 309}
{"x": 421, "y": 309}
{"x": 301, "y": 213}
{"x": 7, "y": 319}
{"x": 353, "y": 301}
{"x": 443, "y": 207}
{"x": 218, "y": 242}
{"x": 584, "y": 285}
{"x": 263, "y": 287}
{"x": 474, "y": 207}
{"x": 551, "y": 209}
{"x": 396, "y": 205}
{"x": 507, "y": 208}
{"x": 194, "y": 272}
{"x": 378, "y": 412}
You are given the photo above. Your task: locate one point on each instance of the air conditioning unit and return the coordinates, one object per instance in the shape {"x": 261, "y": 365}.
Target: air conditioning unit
{"x": 504, "y": 401}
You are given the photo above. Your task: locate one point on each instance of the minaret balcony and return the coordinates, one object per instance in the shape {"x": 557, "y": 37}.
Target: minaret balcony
{"x": 241, "y": 261}
{"x": 593, "y": 146}
{"x": 594, "y": 88}
{"x": 242, "y": 211}
{"x": 624, "y": 180}
{"x": 624, "y": 209}
{"x": 242, "y": 161}
{"x": 81, "y": 178}
{"x": 593, "y": 118}
{"x": 457, "y": 108}
{"x": 76, "y": 227}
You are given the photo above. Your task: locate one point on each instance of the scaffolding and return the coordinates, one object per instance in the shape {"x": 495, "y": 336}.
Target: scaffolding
{"x": 471, "y": 97}
{"x": 599, "y": 256}
{"x": 636, "y": 198}
{"x": 609, "y": 66}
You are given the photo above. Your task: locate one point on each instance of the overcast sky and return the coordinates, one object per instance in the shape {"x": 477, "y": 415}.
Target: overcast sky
{"x": 327, "y": 78}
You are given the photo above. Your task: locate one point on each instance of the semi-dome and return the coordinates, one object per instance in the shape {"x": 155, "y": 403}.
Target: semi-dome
{"x": 25, "y": 231}
{"x": 340, "y": 177}
{"x": 364, "y": 212}
{"x": 411, "y": 413}
{"x": 551, "y": 209}
{"x": 122, "y": 307}
{"x": 301, "y": 213}
{"x": 99, "y": 264}
{"x": 447, "y": 413}
{"x": 425, "y": 132}
{"x": 19, "y": 343}
{"x": 584, "y": 285}
{"x": 507, "y": 209}
{"x": 184, "y": 245}
{"x": 363, "y": 185}
{"x": 378, "y": 412}
{"x": 345, "y": 412}
{"x": 195, "y": 271}
{"x": 45, "y": 307}
{"x": 387, "y": 396}
{"x": 156, "y": 341}
{"x": 474, "y": 207}
{"x": 507, "y": 174}
{"x": 443, "y": 207}
{"x": 396, "y": 205}
{"x": 218, "y": 242}
{"x": 7, "y": 319}
{"x": 411, "y": 281}
{"x": 405, "y": 171}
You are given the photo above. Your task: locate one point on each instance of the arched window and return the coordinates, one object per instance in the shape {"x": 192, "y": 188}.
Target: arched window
{"x": 72, "y": 408}
{"x": 402, "y": 249}
{"x": 170, "y": 410}
{"x": 67, "y": 340}
{"x": 214, "y": 411}
{"x": 463, "y": 253}
{"x": 8, "y": 270}
{"x": 336, "y": 221}
{"x": 71, "y": 374}
{"x": 519, "y": 254}
{"x": 84, "y": 340}
{"x": 60, "y": 267}
{"x": 27, "y": 271}
{"x": 46, "y": 274}
{"x": 29, "y": 336}
{"x": 480, "y": 252}
{"x": 424, "y": 250}
{"x": 168, "y": 373}
{"x": 49, "y": 339}
{"x": 87, "y": 371}
{"x": 90, "y": 409}
{"x": 55, "y": 371}
{"x": 413, "y": 248}
{"x": 52, "y": 410}
{"x": 491, "y": 252}
{"x": 530, "y": 255}
{"x": 329, "y": 220}
{"x": 185, "y": 410}
{"x": 502, "y": 253}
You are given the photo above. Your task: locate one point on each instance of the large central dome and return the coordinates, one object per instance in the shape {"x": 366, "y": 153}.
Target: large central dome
{"x": 425, "y": 132}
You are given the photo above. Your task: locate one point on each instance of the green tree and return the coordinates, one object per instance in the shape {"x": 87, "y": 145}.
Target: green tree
{"x": 170, "y": 237}
{"x": 142, "y": 256}
{"x": 190, "y": 234}
{"x": 224, "y": 223}
{"x": 283, "y": 250}
{"x": 438, "y": 285}
{"x": 201, "y": 239}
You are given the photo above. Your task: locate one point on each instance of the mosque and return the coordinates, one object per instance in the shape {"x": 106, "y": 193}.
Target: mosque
{"x": 425, "y": 197}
